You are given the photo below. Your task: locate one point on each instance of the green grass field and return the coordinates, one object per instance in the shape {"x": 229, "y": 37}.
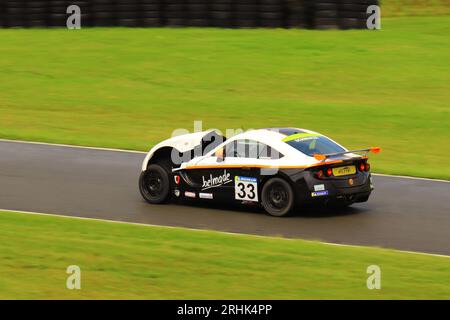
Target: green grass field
{"x": 162, "y": 263}
{"x": 129, "y": 88}
{"x": 399, "y": 8}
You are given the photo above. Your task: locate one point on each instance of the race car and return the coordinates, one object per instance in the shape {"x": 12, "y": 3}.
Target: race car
{"x": 276, "y": 168}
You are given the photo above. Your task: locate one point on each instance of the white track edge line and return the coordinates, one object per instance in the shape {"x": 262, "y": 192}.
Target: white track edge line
{"x": 72, "y": 146}
{"x": 409, "y": 177}
{"x": 143, "y": 152}
{"x": 222, "y": 232}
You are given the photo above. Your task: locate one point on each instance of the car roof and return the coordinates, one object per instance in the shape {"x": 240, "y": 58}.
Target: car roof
{"x": 275, "y": 134}
{"x": 276, "y": 137}
{"x": 273, "y": 137}
{"x": 286, "y": 131}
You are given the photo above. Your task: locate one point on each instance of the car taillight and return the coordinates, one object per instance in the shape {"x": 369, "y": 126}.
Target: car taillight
{"x": 362, "y": 167}
{"x": 319, "y": 174}
{"x": 367, "y": 166}
{"x": 329, "y": 172}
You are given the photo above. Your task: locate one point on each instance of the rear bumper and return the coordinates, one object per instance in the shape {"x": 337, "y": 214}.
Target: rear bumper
{"x": 348, "y": 189}
{"x": 344, "y": 198}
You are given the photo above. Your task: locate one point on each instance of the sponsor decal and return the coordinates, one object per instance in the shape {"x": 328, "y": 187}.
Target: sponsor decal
{"x": 213, "y": 182}
{"x": 301, "y": 137}
{"x": 249, "y": 203}
{"x": 177, "y": 179}
{"x": 246, "y": 188}
{"x": 203, "y": 195}
{"x": 249, "y": 179}
{"x": 319, "y": 187}
{"x": 176, "y": 192}
{"x": 189, "y": 194}
{"x": 306, "y": 139}
{"x": 319, "y": 193}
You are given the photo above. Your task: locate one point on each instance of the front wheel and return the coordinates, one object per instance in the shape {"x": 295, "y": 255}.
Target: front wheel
{"x": 277, "y": 197}
{"x": 154, "y": 184}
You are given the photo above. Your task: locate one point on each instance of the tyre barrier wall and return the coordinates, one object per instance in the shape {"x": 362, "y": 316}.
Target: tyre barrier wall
{"x": 318, "y": 14}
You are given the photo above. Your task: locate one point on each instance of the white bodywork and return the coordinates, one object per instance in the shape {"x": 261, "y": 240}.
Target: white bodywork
{"x": 292, "y": 157}
{"x": 182, "y": 143}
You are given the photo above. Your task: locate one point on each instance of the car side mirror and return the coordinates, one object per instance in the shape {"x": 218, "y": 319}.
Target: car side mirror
{"x": 219, "y": 155}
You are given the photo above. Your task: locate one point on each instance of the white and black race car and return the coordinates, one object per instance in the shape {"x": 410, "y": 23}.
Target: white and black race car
{"x": 277, "y": 168}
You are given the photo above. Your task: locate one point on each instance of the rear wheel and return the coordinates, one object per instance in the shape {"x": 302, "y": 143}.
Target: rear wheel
{"x": 277, "y": 197}
{"x": 154, "y": 184}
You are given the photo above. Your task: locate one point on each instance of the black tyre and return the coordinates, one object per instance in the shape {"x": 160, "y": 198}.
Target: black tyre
{"x": 154, "y": 184}
{"x": 277, "y": 197}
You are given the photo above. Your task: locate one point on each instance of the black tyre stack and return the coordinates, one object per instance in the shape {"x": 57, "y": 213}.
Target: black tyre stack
{"x": 222, "y": 13}
{"x": 246, "y": 14}
{"x": 295, "y": 14}
{"x": 14, "y": 13}
{"x": 175, "y": 13}
{"x": 353, "y": 13}
{"x": 57, "y": 13}
{"x": 37, "y": 14}
{"x": 326, "y": 14}
{"x": 150, "y": 13}
{"x": 2, "y": 15}
{"x": 272, "y": 13}
{"x": 126, "y": 12}
{"x": 198, "y": 13}
{"x": 318, "y": 14}
{"x": 103, "y": 13}
{"x": 86, "y": 11}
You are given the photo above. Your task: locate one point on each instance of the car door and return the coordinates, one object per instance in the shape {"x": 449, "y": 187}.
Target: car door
{"x": 213, "y": 176}
{"x": 234, "y": 176}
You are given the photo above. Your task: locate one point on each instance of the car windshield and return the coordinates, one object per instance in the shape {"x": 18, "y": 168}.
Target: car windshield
{"x": 310, "y": 144}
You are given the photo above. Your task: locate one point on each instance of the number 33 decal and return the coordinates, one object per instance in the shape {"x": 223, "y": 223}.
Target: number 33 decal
{"x": 246, "y": 188}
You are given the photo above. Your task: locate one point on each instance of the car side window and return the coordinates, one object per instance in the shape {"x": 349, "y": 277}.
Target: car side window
{"x": 267, "y": 152}
{"x": 235, "y": 149}
{"x": 246, "y": 148}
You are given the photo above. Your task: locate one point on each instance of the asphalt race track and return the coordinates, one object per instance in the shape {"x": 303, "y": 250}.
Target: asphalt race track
{"x": 406, "y": 214}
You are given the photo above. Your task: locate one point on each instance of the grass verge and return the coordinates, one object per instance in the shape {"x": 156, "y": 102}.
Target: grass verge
{"x": 130, "y": 88}
{"x": 123, "y": 261}
{"x": 396, "y": 8}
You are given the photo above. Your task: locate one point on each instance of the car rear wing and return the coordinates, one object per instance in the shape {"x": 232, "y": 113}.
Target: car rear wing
{"x": 323, "y": 157}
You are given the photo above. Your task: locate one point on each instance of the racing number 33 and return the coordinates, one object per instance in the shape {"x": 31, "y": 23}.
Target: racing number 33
{"x": 246, "y": 188}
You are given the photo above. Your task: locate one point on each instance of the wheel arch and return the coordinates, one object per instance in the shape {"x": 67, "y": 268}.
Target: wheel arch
{"x": 279, "y": 174}
{"x": 285, "y": 176}
{"x": 184, "y": 144}
{"x": 159, "y": 155}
